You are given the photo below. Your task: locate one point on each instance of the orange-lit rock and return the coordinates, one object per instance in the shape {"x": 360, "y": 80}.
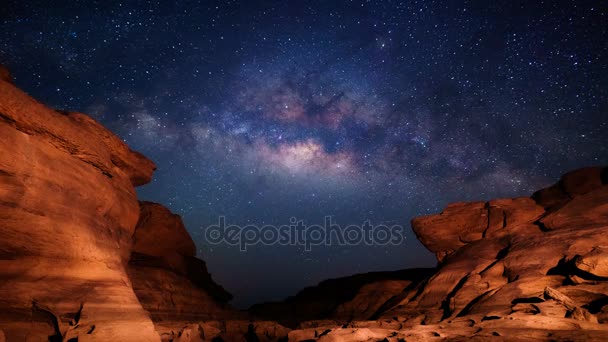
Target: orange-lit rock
{"x": 522, "y": 250}
{"x": 530, "y": 268}
{"x": 68, "y": 211}
{"x": 170, "y": 282}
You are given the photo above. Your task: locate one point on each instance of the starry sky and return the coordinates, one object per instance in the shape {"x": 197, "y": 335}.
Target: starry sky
{"x": 364, "y": 110}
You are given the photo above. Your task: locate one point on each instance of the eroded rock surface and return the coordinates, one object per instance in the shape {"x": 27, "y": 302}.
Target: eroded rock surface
{"x": 5, "y": 75}
{"x": 518, "y": 255}
{"x": 170, "y": 282}
{"x": 68, "y": 211}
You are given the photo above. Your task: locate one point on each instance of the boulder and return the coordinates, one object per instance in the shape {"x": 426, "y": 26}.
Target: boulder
{"x": 453, "y": 228}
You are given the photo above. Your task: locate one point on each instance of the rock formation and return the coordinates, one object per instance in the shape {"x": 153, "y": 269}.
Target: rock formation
{"x": 224, "y": 331}
{"x": 543, "y": 256}
{"x": 529, "y": 268}
{"x": 68, "y": 211}
{"x": 170, "y": 282}
{"x": 81, "y": 257}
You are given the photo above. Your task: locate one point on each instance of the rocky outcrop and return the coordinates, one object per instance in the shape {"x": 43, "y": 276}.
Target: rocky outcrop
{"x": 463, "y": 223}
{"x": 522, "y": 255}
{"x": 509, "y": 269}
{"x": 68, "y": 211}
{"x": 518, "y": 326}
{"x": 341, "y": 300}
{"x": 170, "y": 282}
{"x": 81, "y": 258}
{"x": 595, "y": 262}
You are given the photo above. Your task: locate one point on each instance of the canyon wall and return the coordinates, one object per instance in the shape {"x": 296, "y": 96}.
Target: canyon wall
{"x": 170, "y": 282}
{"x": 68, "y": 211}
{"x": 80, "y": 257}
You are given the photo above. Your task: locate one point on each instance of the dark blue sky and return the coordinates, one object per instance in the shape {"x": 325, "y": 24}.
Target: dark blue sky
{"x": 364, "y": 110}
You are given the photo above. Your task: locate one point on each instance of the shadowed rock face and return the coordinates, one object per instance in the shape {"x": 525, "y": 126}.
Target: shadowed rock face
{"x": 357, "y": 297}
{"x": 170, "y": 282}
{"x": 68, "y": 211}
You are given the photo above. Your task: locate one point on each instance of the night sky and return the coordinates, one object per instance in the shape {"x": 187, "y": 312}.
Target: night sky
{"x": 363, "y": 110}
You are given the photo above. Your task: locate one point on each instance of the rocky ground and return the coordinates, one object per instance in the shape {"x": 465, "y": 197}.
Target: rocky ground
{"x": 82, "y": 259}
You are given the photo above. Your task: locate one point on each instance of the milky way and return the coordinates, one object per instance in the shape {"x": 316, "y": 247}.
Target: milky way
{"x": 362, "y": 110}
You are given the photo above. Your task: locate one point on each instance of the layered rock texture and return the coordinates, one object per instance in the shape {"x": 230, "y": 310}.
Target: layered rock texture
{"x": 170, "y": 282}
{"x": 542, "y": 259}
{"x": 68, "y": 216}
{"x": 498, "y": 254}
{"x": 529, "y": 268}
{"x": 68, "y": 211}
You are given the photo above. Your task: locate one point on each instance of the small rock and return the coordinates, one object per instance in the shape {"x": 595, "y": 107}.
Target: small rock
{"x": 559, "y": 297}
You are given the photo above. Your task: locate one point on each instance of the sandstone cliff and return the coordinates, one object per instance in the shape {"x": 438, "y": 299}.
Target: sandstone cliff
{"x": 80, "y": 257}
{"x": 68, "y": 211}
{"x": 170, "y": 282}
